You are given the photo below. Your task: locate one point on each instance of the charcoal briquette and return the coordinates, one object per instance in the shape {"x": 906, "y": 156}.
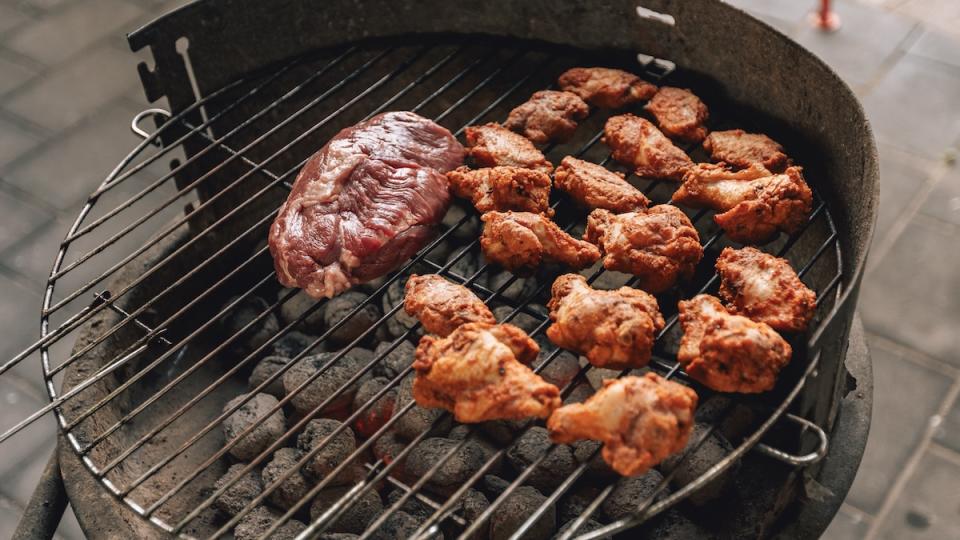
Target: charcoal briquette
{"x": 377, "y": 414}
{"x": 337, "y": 310}
{"x": 356, "y": 517}
{"x": 418, "y": 419}
{"x": 269, "y": 430}
{"x": 245, "y": 312}
{"x": 332, "y": 383}
{"x": 263, "y": 370}
{"x": 296, "y": 306}
{"x": 426, "y": 457}
{"x": 255, "y": 524}
{"x": 292, "y": 488}
{"x": 531, "y": 446}
{"x": 238, "y": 495}
{"x": 332, "y": 454}
{"x": 514, "y": 511}
{"x": 396, "y": 360}
{"x": 630, "y": 492}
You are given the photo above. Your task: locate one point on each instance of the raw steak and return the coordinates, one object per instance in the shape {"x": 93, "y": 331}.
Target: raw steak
{"x": 363, "y": 204}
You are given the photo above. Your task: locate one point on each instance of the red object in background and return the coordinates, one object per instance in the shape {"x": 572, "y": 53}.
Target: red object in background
{"x": 824, "y": 18}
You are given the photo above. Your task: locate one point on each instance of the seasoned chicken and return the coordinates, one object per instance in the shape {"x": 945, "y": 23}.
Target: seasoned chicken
{"x": 442, "y": 306}
{"x": 640, "y": 420}
{"x": 478, "y": 372}
{"x": 503, "y": 188}
{"x": 729, "y": 353}
{"x": 595, "y": 186}
{"x": 754, "y": 203}
{"x": 606, "y": 88}
{"x": 548, "y": 116}
{"x": 658, "y": 245}
{"x": 680, "y": 113}
{"x": 741, "y": 149}
{"x": 520, "y": 241}
{"x": 765, "y": 289}
{"x": 492, "y": 144}
{"x": 636, "y": 142}
{"x": 613, "y": 329}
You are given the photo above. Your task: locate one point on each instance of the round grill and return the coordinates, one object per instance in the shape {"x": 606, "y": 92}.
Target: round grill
{"x": 151, "y": 278}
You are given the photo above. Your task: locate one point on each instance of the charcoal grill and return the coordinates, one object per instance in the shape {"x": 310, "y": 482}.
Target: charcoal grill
{"x": 173, "y": 241}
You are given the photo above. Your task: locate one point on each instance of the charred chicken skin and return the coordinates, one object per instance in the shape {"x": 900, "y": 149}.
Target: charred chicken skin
{"x": 492, "y": 144}
{"x": 595, "y": 186}
{"x": 520, "y": 241}
{"x": 765, "y": 289}
{"x": 680, "y": 114}
{"x": 658, "y": 245}
{"x": 606, "y": 88}
{"x": 754, "y": 204}
{"x": 503, "y": 188}
{"x": 729, "y": 353}
{"x": 442, "y": 306}
{"x": 548, "y": 116}
{"x": 636, "y": 142}
{"x": 478, "y": 372}
{"x": 740, "y": 149}
{"x": 613, "y": 329}
{"x": 640, "y": 420}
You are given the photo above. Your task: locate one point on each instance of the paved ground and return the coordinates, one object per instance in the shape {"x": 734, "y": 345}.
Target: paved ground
{"x": 68, "y": 90}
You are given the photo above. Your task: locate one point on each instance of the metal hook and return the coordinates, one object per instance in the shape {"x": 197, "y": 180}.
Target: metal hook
{"x": 135, "y": 123}
{"x": 792, "y": 459}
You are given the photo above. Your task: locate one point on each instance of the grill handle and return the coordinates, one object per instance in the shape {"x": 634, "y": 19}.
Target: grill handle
{"x": 140, "y": 116}
{"x": 793, "y": 459}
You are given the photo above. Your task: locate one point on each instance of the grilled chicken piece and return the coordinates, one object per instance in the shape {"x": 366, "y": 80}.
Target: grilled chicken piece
{"x": 729, "y": 353}
{"x": 765, "y": 289}
{"x": 442, "y": 306}
{"x": 503, "y": 188}
{"x": 595, "y": 186}
{"x": 636, "y": 142}
{"x": 606, "y": 88}
{"x": 640, "y": 420}
{"x": 548, "y": 116}
{"x": 658, "y": 245}
{"x": 478, "y": 372}
{"x": 680, "y": 113}
{"x": 741, "y": 149}
{"x": 520, "y": 241}
{"x": 613, "y": 329}
{"x": 754, "y": 203}
{"x": 492, "y": 144}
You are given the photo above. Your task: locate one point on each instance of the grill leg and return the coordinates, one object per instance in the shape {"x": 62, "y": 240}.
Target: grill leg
{"x": 47, "y": 504}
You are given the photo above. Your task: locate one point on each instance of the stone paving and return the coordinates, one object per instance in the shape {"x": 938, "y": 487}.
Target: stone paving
{"x": 68, "y": 89}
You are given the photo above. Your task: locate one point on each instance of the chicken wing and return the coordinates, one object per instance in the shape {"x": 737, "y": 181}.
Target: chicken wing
{"x": 492, "y": 144}
{"x": 658, "y": 245}
{"x": 765, "y": 289}
{"x": 503, "y": 188}
{"x": 478, "y": 373}
{"x": 754, "y": 203}
{"x": 595, "y": 186}
{"x": 640, "y": 420}
{"x": 636, "y": 142}
{"x": 520, "y": 241}
{"x": 680, "y": 113}
{"x": 606, "y": 88}
{"x": 729, "y": 353}
{"x": 548, "y": 116}
{"x": 741, "y": 149}
{"x": 442, "y": 306}
{"x": 613, "y": 329}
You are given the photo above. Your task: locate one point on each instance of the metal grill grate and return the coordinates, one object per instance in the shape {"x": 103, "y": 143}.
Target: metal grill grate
{"x": 142, "y": 422}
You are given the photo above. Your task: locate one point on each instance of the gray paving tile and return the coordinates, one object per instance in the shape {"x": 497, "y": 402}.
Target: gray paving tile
{"x": 868, "y": 37}
{"x": 944, "y": 201}
{"x": 914, "y": 106}
{"x": 899, "y": 420}
{"x": 938, "y": 46}
{"x": 64, "y": 172}
{"x": 943, "y": 14}
{"x": 901, "y": 176}
{"x": 788, "y": 10}
{"x": 13, "y": 74}
{"x": 16, "y": 403}
{"x": 911, "y": 294}
{"x": 67, "y": 32}
{"x": 19, "y": 316}
{"x": 61, "y": 98}
{"x": 15, "y": 140}
{"x": 11, "y": 18}
{"x": 845, "y": 526}
{"x": 9, "y": 517}
{"x": 21, "y": 218}
{"x": 948, "y": 432}
{"x": 929, "y": 504}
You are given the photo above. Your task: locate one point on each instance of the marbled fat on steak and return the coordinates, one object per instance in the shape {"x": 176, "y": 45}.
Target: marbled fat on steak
{"x": 365, "y": 203}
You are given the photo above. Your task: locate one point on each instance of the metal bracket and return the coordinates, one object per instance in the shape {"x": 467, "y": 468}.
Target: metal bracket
{"x": 140, "y": 132}
{"x": 793, "y": 459}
